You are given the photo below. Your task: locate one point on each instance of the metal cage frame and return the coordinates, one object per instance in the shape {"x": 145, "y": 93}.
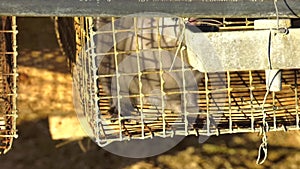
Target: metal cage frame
{"x": 238, "y": 95}
{"x": 8, "y": 77}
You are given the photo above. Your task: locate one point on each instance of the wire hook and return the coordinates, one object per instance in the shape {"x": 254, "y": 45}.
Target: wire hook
{"x": 263, "y": 148}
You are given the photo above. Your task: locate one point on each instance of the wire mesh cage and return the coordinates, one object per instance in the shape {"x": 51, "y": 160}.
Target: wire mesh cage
{"x": 8, "y": 83}
{"x": 121, "y": 97}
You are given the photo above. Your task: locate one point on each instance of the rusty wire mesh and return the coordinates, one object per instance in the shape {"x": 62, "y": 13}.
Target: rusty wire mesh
{"x": 8, "y": 82}
{"x": 227, "y": 102}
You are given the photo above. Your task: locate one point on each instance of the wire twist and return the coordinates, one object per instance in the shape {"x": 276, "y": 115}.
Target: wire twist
{"x": 265, "y": 126}
{"x": 264, "y": 129}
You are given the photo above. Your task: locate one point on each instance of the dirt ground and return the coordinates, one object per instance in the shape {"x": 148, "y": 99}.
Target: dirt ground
{"x": 45, "y": 89}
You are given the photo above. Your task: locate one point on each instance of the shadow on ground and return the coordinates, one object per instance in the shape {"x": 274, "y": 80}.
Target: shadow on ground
{"x": 37, "y": 41}
{"x": 35, "y": 149}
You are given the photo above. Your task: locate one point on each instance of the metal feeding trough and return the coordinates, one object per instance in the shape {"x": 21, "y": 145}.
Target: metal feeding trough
{"x": 8, "y": 82}
{"x": 137, "y": 78}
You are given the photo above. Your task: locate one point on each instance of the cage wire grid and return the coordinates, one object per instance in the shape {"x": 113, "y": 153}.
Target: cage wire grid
{"x": 8, "y": 82}
{"x": 228, "y": 102}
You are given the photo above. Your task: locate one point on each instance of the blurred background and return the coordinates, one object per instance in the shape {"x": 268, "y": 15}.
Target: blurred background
{"x": 45, "y": 89}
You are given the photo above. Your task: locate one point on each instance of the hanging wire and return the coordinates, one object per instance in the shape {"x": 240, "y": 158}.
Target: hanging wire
{"x": 263, "y": 148}
{"x": 292, "y": 11}
{"x": 269, "y": 50}
{"x": 180, "y": 40}
{"x": 279, "y": 30}
{"x": 265, "y": 126}
{"x": 264, "y": 129}
{"x": 277, "y": 15}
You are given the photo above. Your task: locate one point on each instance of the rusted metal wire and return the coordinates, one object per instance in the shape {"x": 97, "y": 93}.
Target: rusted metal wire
{"x": 8, "y": 82}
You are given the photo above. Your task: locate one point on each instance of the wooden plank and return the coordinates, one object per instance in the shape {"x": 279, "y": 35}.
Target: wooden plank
{"x": 201, "y": 8}
{"x": 65, "y": 127}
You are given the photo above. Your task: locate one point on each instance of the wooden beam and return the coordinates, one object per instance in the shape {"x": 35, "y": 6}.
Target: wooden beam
{"x": 65, "y": 127}
{"x": 200, "y": 8}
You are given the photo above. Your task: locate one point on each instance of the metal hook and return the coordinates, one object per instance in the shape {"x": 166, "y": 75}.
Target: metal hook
{"x": 262, "y": 148}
